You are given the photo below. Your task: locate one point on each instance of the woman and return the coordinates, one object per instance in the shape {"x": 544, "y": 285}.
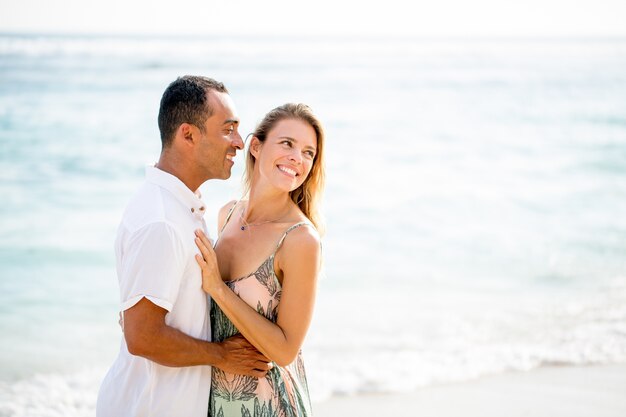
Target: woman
{"x": 274, "y": 234}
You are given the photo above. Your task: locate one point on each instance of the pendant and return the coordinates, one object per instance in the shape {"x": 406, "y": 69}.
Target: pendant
{"x": 243, "y": 227}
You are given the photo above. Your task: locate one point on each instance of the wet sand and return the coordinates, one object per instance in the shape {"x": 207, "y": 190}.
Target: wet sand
{"x": 592, "y": 391}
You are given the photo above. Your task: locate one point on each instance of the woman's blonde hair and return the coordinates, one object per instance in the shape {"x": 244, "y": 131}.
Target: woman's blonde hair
{"x": 308, "y": 195}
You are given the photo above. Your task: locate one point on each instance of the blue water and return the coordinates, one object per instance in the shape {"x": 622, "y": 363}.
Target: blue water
{"x": 475, "y": 201}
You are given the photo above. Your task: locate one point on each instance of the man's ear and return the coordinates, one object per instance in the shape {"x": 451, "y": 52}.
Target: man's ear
{"x": 255, "y": 146}
{"x": 187, "y": 133}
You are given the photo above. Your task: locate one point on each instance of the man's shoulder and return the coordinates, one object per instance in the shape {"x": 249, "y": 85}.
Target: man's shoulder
{"x": 152, "y": 205}
{"x": 146, "y": 206}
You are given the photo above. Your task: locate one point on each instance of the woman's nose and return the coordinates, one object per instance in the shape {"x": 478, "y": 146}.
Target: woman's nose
{"x": 296, "y": 156}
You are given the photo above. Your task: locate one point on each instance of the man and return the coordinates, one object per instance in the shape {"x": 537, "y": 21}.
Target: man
{"x": 162, "y": 367}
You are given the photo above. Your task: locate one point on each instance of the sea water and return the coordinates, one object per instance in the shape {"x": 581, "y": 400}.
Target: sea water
{"x": 474, "y": 206}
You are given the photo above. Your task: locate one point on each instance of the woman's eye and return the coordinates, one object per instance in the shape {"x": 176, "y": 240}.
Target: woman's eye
{"x": 310, "y": 154}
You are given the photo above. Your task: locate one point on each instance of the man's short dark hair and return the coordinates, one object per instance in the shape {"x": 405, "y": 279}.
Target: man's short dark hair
{"x": 185, "y": 101}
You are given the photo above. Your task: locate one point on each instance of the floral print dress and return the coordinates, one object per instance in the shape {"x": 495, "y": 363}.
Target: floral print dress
{"x": 283, "y": 392}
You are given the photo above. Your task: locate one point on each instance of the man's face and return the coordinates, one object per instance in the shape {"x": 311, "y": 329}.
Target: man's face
{"x": 219, "y": 142}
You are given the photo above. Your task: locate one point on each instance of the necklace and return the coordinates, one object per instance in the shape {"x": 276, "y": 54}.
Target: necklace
{"x": 249, "y": 225}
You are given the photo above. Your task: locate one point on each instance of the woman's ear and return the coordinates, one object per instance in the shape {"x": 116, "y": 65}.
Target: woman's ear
{"x": 255, "y": 146}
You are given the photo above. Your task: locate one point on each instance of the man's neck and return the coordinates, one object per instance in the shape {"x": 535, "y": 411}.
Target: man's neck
{"x": 177, "y": 167}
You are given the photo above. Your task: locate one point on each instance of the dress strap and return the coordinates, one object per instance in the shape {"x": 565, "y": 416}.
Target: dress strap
{"x": 282, "y": 239}
{"x": 228, "y": 216}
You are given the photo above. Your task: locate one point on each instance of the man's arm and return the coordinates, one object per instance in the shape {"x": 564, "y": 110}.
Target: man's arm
{"x": 148, "y": 336}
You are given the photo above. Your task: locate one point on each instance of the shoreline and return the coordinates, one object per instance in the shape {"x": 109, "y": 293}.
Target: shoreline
{"x": 555, "y": 391}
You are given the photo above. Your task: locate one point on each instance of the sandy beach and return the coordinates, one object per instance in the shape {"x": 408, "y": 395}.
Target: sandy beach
{"x": 593, "y": 391}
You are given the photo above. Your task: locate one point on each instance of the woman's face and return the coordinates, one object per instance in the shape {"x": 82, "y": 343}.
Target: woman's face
{"x": 286, "y": 157}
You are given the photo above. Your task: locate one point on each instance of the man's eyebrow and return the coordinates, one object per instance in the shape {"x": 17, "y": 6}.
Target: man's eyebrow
{"x": 229, "y": 121}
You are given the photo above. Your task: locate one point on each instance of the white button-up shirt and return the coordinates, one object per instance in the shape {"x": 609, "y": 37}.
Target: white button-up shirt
{"x": 155, "y": 252}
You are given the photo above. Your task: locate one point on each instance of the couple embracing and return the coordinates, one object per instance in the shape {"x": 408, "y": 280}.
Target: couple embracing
{"x": 216, "y": 329}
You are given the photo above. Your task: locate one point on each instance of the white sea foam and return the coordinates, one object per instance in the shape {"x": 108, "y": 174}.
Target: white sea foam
{"x": 51, "y": 395}
{"x": 372, "y": 342}
{"x": 398, "y": 341}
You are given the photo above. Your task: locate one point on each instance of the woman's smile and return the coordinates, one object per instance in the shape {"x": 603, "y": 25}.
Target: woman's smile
{"x": 290, "y": 172}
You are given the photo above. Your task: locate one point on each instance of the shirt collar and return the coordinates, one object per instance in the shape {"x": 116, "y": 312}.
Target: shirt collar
{"x": 175, "y": 186}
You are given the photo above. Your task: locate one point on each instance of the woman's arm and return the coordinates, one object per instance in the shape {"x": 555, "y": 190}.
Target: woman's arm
{"x": 300, "y": 265}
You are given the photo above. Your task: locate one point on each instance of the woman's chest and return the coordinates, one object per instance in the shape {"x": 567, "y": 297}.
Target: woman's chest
{"x": 239, "y": 256}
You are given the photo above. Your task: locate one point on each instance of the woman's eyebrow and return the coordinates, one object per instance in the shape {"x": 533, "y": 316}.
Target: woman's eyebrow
{"x": 295, "y": 140}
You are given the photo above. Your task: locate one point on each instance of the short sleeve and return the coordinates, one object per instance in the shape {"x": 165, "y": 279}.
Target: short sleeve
{"x": 152, "y": 266}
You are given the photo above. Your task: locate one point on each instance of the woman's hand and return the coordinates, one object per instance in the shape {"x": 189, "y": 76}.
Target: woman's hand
{"x": 211, "y": 278}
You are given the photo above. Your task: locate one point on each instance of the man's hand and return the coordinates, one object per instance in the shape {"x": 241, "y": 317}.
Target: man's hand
{"x": 240, "y": 357}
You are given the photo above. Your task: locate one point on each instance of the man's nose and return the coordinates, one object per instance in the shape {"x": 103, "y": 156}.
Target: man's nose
{"x": 237, "y": 141}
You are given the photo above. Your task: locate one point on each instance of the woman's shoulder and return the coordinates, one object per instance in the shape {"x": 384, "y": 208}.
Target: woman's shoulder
{"x": 223, "y": 213}
{"x": 227, "y": 207}
{"x": 302, "y": 236}
{"x": 300, "y": 251}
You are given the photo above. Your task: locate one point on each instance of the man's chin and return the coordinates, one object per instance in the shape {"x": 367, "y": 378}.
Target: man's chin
{"x": 226, "y": 175}
{"x": 223, "y": 176}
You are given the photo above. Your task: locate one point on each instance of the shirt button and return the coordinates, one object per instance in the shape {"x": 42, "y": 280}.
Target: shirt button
{"x": 202, "y": 208}
{"x": 193, "y": 209}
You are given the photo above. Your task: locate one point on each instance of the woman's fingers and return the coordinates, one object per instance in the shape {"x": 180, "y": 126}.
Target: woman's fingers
{"x": 208, "y": 263}
{"x": 203, "y": 249}
{"x": 204, "y": 238}
{"x": 203, "y": 244}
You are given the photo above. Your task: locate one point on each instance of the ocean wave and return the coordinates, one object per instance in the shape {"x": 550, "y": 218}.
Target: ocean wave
{"x": 330, "y": 374}
{"x": 444, "y": 338}
{"x": 52, "y": 395}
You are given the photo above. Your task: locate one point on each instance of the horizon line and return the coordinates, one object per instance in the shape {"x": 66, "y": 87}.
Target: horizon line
{"x": 416, "y": 36}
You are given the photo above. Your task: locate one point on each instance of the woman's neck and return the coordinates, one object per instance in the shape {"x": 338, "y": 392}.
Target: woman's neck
{"x": 265, "y": 204}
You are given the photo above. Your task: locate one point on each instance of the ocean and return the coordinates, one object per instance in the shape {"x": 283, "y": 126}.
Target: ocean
{"x": 474, "y": 206}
